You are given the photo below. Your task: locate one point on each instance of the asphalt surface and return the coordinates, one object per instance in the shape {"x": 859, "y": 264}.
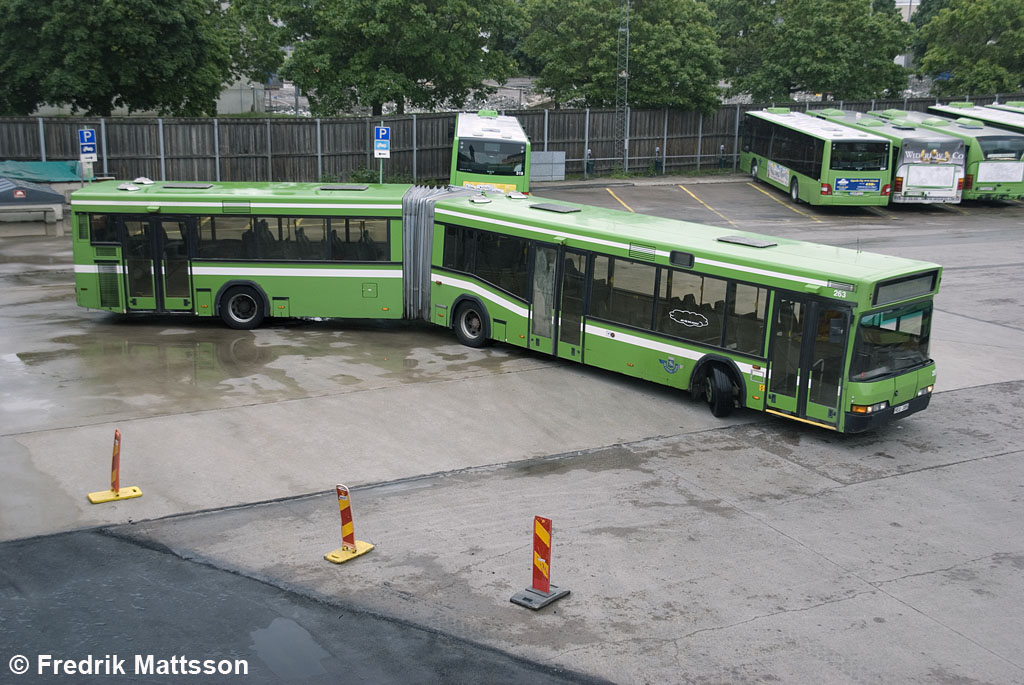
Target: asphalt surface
{"x": 696, "y": 550}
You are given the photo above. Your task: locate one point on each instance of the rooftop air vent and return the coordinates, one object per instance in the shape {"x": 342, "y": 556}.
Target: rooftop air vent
{"x": 552, "y": 207}
{"x": 746, "y": 240}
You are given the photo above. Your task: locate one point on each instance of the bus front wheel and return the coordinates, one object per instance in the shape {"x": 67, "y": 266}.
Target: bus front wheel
{"x": 718, "y": 392}
{"x": 471, "y": 324}
{"x": 241, "y": 308}
{"x": 794, "y": 191}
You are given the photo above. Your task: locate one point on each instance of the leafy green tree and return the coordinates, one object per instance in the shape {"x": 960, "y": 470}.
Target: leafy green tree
{"x": 925, "y": 12}
{"x": 172, "y": 57}
{"x": 846, "y": 49}
{"x": 673, "y": 56}
{"x": 372, "y": 52}
{"x": 257, "y": 47}
{"x": 976, "y": 46}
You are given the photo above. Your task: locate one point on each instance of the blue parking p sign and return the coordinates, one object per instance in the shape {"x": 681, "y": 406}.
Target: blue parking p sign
{"x": 382, "y": 142}
{"x": 87, "y": 144}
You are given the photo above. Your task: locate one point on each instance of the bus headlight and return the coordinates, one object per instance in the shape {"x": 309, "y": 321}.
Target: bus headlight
{"x": 868, "y": 408}
{"x": 927, "y": 390}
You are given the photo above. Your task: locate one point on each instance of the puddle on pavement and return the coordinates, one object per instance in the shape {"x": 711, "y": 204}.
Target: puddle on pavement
{"x": 145, "y": 365}
{"x": 289, "y": 650}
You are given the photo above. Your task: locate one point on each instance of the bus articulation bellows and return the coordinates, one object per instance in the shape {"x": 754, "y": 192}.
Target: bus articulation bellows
{"x": 829, "y": 336}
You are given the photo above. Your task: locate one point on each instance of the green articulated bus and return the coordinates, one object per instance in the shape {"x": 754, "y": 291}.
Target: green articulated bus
{"x": 927, "y": 166}
{"x": 994, "y": 168}
{"x": 817, "y": 161}
{"x": 490, "y": 152}
{"x": 1012, "y": 106}
{"x": 993, "y": 116}
{"x": 833, "y": 337}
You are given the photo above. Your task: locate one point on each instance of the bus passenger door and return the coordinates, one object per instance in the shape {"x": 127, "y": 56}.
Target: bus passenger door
{"x": 542, "y": 301}
{"x": 570, "y": 305}
{"x": 807, "y": 359}
{"x": 140, "y": 267}
{"x": 174, "y": 275}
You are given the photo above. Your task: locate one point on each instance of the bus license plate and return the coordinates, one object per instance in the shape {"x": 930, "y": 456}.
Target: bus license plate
{"x": 901, "y": 408}
{"x": 856, "y": 192}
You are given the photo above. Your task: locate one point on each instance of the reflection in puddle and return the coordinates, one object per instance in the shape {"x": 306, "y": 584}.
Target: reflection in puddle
{"x": 289, "y": 650}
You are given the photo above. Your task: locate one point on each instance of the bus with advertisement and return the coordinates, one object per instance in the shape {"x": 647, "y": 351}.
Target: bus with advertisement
{"x": 927, "y": 166}
{"x": 490, "y": 152}
{"x": 816, "y": 161}
{"x": 994, "y": 168}
{"x": 993, "y": 116}
{"x": 828, "y": 336}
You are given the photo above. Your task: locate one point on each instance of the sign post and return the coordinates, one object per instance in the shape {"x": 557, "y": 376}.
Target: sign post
{"x": 87, "y": 149}
{"x": 382, "y": 145}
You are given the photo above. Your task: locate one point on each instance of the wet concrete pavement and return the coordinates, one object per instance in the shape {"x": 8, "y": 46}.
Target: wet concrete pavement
{"x": 697, "y": 550}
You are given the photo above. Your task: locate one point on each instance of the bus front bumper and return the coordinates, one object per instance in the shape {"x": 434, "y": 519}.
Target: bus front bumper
{"x": 858, "y": 423}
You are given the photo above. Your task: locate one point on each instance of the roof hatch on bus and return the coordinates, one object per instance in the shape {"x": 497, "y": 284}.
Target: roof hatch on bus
{"x": 964, "y": 122}
{"x": 552, "y": 207}
{"x": 187, "y": 186}
{"x": 344, "y": 187}
{"x": 746, "y": 240}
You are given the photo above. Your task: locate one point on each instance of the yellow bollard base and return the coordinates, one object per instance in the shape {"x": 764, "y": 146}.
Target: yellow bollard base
{"x": 341, "y": 555}
{"x": 114, "y": 495}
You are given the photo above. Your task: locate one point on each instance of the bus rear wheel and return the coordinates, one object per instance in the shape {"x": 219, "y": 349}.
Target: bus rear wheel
{"x": 471, "y": 324}
{"x": 241, "y": 308}
{"x": 794, "y": 191}
{"x": 718, "y": 392}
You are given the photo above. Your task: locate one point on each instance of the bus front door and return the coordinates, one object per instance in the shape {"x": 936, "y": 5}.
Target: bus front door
{"x": 807, "y": 359}
{"x": 156, "y": 264}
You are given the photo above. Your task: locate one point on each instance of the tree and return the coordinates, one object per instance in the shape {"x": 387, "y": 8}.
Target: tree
{"x": 976, "y": 46}
{"x": 372, "y": 52}
{"x": 673, "y": 57}
{"x": 777, "y": 48}
{"x": 925, "y": 12}
{"x": 140, "y": 54}
{"x": 258, "y": 38}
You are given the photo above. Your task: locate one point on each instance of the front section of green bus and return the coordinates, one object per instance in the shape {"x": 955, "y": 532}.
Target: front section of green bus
{"x": 490, "y": 152}
{"x": 891, "y": 374}
{"x": 856, "y": 173}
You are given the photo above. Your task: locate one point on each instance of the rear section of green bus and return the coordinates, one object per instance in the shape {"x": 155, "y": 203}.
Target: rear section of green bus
{"x": 244, "y": 252}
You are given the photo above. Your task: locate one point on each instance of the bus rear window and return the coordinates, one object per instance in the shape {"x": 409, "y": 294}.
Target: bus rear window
{"x": 491, "y": 157}
{"x": 999, "y": 147}
{"x": 860, "y": 156}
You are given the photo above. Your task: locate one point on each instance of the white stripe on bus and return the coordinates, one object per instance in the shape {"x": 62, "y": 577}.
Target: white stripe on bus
{"x": 95, "y": 268}
{"x": 655, "y": 345}
{"x": 227, "y": 204}
{"x": 515, "y": 307}
{"x": 625, "y": 246}
{"x": 243, "y": 271}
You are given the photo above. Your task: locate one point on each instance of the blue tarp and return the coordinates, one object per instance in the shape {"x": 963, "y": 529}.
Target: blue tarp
{"x": 40, "y": 172}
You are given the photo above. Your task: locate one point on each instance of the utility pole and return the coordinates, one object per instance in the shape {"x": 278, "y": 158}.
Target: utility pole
{"x": 622, "y": 88}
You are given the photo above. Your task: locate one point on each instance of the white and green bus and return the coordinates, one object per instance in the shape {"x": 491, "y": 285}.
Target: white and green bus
{"x": 994, "y": 168}
{"x": 993, "y": 116}
{"x": 832, "y": 337}
{"x": 927, "y": 166}
{"x": 490, "y": 152}
{"x": 1012, "y": 106}
{"x": 818, "y": 162}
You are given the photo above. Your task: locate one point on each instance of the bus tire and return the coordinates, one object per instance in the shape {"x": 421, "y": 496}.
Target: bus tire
{"x": 471, "y": 324}
{"x": 753, "y": 171}
{"x": 718, "y": 392}
{"x": 794, "y": 191}
{"x": 241, "y": 308}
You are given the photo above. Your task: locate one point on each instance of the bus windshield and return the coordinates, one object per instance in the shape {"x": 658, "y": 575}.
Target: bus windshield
{"x": 860, "y": 156}
{"x": 890, "y": 342}
{"x": 491, "y": 157}
{"x": 999, "y": 147}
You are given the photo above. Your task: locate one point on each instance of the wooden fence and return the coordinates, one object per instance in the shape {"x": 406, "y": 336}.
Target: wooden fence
{"x": 305, "y": 149}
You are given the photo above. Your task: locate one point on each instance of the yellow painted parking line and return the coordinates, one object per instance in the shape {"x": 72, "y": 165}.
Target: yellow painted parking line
{"x": 882, "y": 213}
{"x": 952, "y": 208}
{"x": 708, "y": 207}
{"x": 787, "y": 206}
{"x": 619, "y": 200}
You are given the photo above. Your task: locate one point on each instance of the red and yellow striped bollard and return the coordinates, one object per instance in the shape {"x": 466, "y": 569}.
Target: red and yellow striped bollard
{"x": 542, "y": 592}
{"x": 350, "y": 547}
{"x": 115, "y": 492}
